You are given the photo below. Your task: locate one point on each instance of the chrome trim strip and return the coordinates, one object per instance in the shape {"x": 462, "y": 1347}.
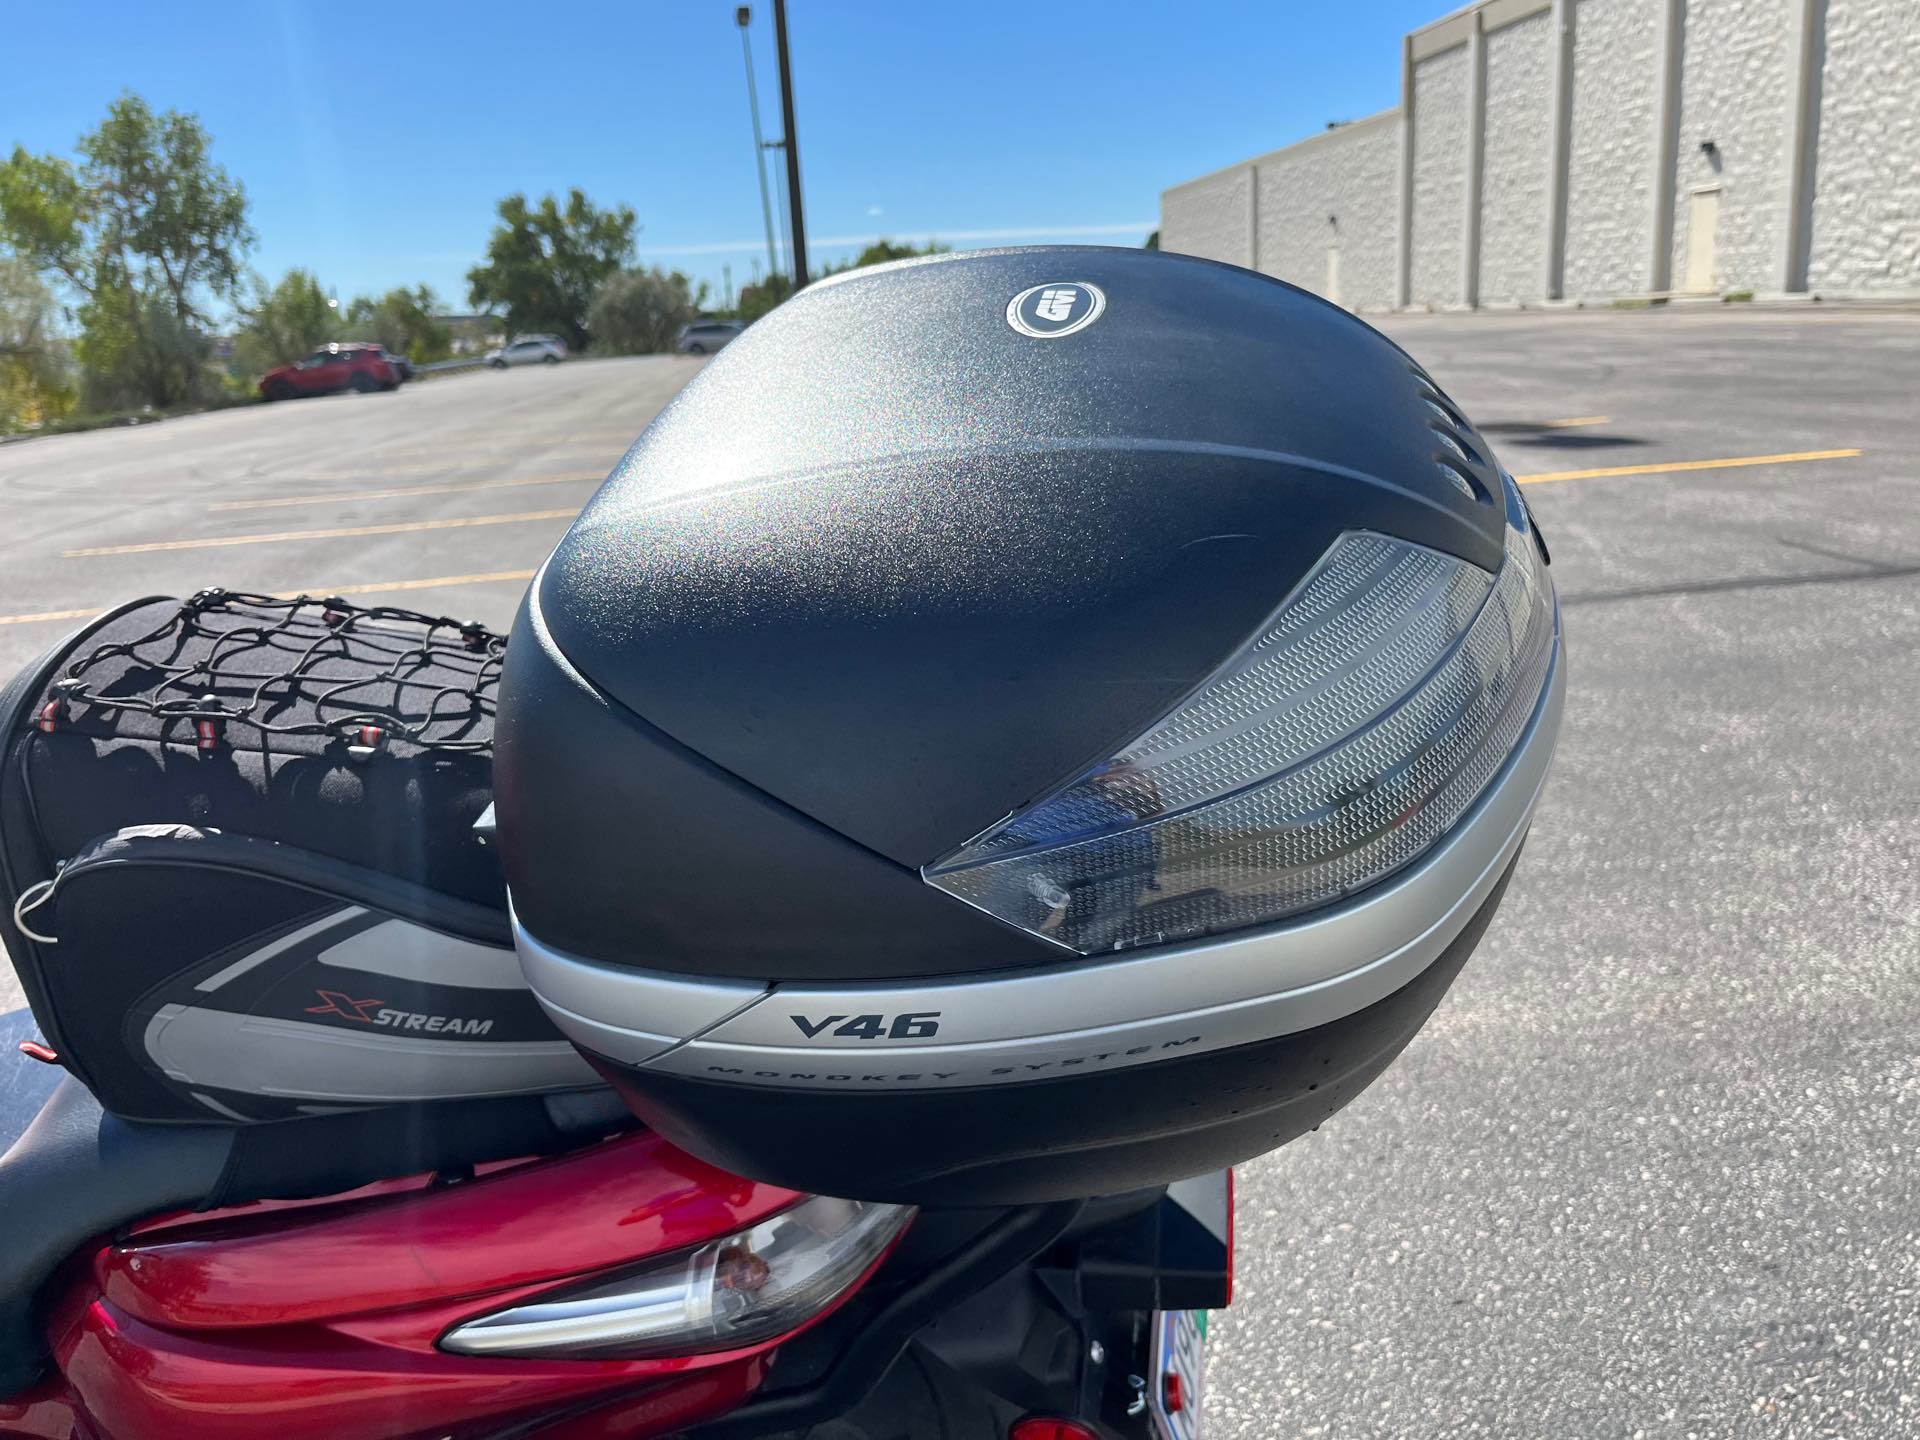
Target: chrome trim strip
{"x": 672, "y": 1306}
{"x": 1088, "y": 1014}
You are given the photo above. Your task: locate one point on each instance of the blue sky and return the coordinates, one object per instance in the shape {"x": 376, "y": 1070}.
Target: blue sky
{"x": 374, "y": 140}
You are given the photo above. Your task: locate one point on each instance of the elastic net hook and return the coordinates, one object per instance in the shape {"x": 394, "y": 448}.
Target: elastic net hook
{"x": 31, "y": 899}
{"x": 207, "y": 728}
{"x": 367, "y": 742}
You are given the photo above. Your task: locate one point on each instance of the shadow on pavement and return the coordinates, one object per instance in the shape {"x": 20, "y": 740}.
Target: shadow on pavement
{"x": 1551, "y": 437}
{"x": 1754, "y": 582}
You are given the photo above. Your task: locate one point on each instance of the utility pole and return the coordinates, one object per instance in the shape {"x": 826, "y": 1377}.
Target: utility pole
{"x": 798, "y": 249}
{"x": 727, "y": 271}
{"x": 742, "y": 17}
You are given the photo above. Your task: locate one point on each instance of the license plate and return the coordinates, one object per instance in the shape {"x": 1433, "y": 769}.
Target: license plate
{"x": 1178, "y": 1368}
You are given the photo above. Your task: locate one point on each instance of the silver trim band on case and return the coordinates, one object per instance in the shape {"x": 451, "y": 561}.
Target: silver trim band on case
{"x": 1086, "y": 1015}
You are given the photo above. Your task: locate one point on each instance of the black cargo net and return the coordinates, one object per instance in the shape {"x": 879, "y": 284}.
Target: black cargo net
{"x": 367, "y": 675}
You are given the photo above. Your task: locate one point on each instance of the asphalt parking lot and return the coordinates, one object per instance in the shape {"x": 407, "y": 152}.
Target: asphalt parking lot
{"x": 1650, "y": 1169}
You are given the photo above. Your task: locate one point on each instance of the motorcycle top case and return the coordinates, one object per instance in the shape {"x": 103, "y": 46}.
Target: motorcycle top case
{"x": 240, "y": 871}
{"x": 1026, "y": 723}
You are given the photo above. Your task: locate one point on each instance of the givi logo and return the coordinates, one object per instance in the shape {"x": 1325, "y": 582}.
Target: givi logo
{"x": 1047, "y": 312}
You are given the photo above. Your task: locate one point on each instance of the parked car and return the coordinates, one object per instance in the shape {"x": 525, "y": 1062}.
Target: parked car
{"x": 703, "y": 337}
{"x": 401, "y": 363}
{"x": 331, "y": 368}
{"x": 529, "y": 350}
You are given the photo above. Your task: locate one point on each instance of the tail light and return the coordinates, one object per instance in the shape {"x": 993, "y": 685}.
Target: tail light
{"x": 739, "y": 1290}
{"x": 1345, "y": 738}
{"x": 1044, "y": 1427}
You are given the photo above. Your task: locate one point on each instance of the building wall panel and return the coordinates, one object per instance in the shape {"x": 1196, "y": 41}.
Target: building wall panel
{"x": 1338, "y": 189}
{"x": 1735, "y": 92}
{"x": 1616, "y": 50}
{"x": 1865, "y": 236}
{"x": 1440, "y": 85}
{"x": 1513, "y": 186}
{"x": 1208, "y": 217}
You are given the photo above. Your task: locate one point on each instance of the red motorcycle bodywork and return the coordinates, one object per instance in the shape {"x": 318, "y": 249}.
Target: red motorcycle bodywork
{"x": 319, "y": 1318}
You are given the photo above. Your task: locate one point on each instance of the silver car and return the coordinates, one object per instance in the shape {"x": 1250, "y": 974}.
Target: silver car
{"x": 703, "y": 337}
{"x": 529, "y": 350}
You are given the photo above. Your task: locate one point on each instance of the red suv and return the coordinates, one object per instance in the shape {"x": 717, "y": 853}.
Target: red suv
{"x": 335, "y": 367}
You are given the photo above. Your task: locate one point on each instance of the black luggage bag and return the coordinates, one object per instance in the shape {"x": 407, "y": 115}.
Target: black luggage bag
{"x": 243, "y": 862}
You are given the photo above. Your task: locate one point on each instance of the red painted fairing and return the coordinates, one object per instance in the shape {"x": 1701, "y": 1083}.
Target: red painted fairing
{"x": 137, "y": 1380}
{"x": 320, "y": 1319}
{"x": 615, "y": 1203}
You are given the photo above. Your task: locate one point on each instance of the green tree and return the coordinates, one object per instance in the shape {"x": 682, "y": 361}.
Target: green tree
{"x": 1152, "y": 242}
{"x": 544, "y": 263}
{"x": 285, "y": 323}
{"x": 883, "y": 250}
{"x": 146, "y": 230}
{"x": 761, "y": 296}
{"x": 33, "y": 379}
{"x": 639, "y": 312}
{"x": 163, "y": 207}
{"x": 43, "y": 214}
{"x": 402, "y": 320}
{"x": 757, "y": 299}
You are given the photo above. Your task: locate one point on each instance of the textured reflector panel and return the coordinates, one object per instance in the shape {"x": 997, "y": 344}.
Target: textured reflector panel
{"x": 1334, "y": 749}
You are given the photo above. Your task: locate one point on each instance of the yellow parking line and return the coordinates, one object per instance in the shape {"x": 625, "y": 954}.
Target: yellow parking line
{"x": 380, "y": 470}
{"x": 337, "y": 495}
{"x": 51, "y": 615}
{"x": 435, "y": 582}
{"x": 481, "y": 578}
{"x": 381, "y": 466}
{"x": 343, "y": 532}
{"x": 1673, "y": 467}
{"x": 1576, "y": 420}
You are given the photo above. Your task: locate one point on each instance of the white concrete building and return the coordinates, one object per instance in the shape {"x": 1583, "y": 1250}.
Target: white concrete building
{"x": 1591, "y": 150}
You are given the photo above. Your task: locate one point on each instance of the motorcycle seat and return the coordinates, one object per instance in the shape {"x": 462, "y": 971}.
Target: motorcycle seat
{"x": 79, "y": 1174}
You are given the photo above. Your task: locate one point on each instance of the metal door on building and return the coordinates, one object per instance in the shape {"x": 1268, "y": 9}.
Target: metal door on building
{"x": 1703, "y": 224}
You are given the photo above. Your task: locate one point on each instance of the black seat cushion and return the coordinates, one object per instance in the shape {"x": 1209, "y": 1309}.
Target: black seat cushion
{"x": 77, "y": 1172}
